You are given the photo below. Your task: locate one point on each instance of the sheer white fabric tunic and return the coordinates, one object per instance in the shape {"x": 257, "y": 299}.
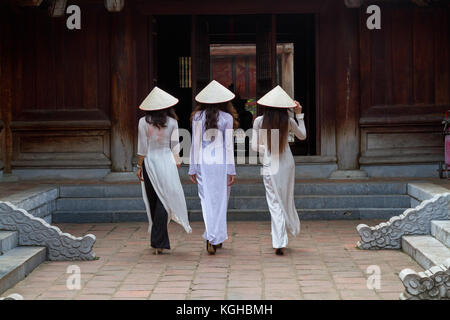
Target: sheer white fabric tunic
{"x": 160, "y": 148}
{"x": 279, "y": 181}
{"x": 212, "y": 159}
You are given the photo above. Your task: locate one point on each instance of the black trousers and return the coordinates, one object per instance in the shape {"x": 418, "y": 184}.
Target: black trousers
{"x": 159, "y": 235}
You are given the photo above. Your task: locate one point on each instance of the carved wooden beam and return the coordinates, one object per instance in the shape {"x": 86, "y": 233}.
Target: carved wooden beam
{"x": 57, "y": 8}
{"x": 114, "y": 5}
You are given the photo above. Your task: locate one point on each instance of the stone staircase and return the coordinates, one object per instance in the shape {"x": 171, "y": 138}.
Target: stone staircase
{"x": 432, "y": 252}
{"x": 16, "y": 262}
{"x": 38, "y": 201}
{"x": 27, "y": 240}
{"x": 432, "y": 249}
{"x": 423, "y": 232}
{"x": 327, "y": 200}
{"x": 429, "y": 250}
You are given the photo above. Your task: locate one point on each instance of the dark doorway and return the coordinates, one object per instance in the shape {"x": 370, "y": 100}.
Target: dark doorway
{"x": 173, "y": 62}
{"x": 260, "y": 48}
{"x": 300, "y": 31}
{"x": 185, "y": 61}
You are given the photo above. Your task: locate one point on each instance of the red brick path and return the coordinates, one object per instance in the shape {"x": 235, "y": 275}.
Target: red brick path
{"x": 322, "y": 263}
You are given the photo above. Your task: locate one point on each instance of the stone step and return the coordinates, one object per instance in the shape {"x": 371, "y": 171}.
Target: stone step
{"x": 308, "y": 214}
{"x": 424, "y": 190}
{"x": 441, "y": 231}
{"x": 8, "y": 240}
{"x": 38, "y": 201}
{"x": 36, "y": 198}
{"x": 241, "y": 202}
{"x": 17, "y": 263}
{"x": 242, "y": 189}
{"x": 426, "y": 250}
{"x": 233, "y": 215}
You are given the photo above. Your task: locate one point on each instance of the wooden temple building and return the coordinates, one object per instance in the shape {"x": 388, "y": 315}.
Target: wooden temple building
{"x": 374, "y": 99}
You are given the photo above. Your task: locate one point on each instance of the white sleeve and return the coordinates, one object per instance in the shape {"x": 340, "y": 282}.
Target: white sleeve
{"x": 298, "y": 129}
{"x": 175, "y": 139}
{"x": 142, "y": 138}
{"x": 229, "y": 147}
{"x": 255, "y": 136}
{"x": 175, "y": 142}
{"x": 195, "y": 146}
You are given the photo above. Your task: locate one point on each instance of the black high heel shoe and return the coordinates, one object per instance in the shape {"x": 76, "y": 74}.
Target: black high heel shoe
{"x": 210, "y": 248}
{"x": 279, "y": 252}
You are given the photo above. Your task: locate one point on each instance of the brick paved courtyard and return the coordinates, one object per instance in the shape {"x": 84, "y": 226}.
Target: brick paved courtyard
{"x": 322, "y": 263}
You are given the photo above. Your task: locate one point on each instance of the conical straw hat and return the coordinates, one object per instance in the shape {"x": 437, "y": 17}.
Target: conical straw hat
{"x": 277, "y": 98}
{"x": 214, "y": 92}
{"x": 158, "y": 99}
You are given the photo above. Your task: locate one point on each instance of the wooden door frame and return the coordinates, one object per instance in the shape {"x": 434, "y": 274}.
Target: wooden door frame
{"x": 315, "y": 9}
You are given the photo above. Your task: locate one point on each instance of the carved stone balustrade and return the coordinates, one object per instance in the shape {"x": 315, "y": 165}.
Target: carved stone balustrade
{"x": 414, "y": 221}
{"x": 35, "y": 231}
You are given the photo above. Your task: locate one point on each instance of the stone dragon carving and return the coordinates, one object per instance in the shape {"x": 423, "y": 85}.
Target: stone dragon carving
{"x": 433, "y": 284}
{"x": 417, "y": 221}
{"x": 35, "y": 231}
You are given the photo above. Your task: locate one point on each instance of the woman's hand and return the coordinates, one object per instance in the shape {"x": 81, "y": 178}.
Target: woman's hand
{"x": 177, "y": 159}
{"x": 230, "y": 180}
{"x": 139, "y": 174}
{"x": 193, "y": 178}
{"x": 298, "y": 107}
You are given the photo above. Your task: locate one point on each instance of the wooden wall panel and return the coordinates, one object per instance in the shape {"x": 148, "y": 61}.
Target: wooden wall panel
{"x": 2, "y": 144}
{"x": 423, "y": 53}
{"x": 442, "y": 57}
{"x": 61, "y": 89}
{"x": 402, "y": 44}
{"x": 45, "y": 69}
{"x": 61, "y": 144}
{"x": 62, "y": 74}
{"x": 2, "y": 84}
{"x": 6, "y": 85}
{"x": 404, "y": 84}
{"x": 405, "y": 142}
{"x": 407, "y": 61}
{"x": 381, "y": 62}
{"x": 401, "y": 144}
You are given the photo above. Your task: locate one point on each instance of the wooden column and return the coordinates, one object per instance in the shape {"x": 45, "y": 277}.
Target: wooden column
{"x": 200, "y": 54}
{"x": 266, "y": 56}
{"x": 287, "y": 67}
{"x": 6, "y": 74}
{"x": 123, "y": 110}
{"x": 348, "y": 99}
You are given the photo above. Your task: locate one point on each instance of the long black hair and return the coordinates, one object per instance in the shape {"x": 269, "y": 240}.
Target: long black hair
{"x": 212, "y": 113}
{"x": 158, "y": 118}
{"x": 276, "y": 118}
